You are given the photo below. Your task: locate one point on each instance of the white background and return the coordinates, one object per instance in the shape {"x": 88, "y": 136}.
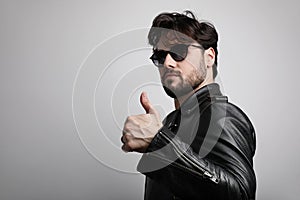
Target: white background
{"x": 44, "y": 43}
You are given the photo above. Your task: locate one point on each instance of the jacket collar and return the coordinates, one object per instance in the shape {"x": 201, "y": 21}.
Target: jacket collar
{"x": 206, "y": 92}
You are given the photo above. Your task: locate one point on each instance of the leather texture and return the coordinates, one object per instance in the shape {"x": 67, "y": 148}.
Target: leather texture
{"x": 204, "y": 151}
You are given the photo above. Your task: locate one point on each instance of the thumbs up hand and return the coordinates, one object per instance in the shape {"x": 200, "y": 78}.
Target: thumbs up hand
{"x": 139, "y": 130}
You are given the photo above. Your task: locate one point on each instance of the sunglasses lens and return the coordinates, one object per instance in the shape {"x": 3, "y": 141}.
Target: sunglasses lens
{"x": 179, "y": 52}
{"x": 158, "y": 57}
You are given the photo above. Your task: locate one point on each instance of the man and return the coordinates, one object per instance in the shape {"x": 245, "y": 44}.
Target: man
{"x": 204, "y": 149}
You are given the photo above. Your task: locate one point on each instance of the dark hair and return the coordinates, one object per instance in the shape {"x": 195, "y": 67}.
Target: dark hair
{"x": 202, "y": 32}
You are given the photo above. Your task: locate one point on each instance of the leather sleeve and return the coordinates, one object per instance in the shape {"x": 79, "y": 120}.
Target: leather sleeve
{"x": 224, "y": 171}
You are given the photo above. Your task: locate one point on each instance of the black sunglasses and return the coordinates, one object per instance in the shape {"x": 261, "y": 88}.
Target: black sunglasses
{"x": 178, "y": 52}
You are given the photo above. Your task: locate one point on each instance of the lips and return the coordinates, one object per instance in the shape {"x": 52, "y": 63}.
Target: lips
{"x": 170, "y": 74}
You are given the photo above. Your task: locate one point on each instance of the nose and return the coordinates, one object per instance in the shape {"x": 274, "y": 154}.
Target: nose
{"x": 169, "y": 61}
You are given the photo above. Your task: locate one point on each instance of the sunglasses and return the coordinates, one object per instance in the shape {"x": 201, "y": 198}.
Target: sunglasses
{"x": 178, "y": 52}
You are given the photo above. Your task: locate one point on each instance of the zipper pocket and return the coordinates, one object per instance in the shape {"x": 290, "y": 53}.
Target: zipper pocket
{"x": 203, "y": 172}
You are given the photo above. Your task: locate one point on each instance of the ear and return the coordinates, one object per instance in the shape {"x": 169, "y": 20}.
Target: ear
{"x": 210, "y": 55}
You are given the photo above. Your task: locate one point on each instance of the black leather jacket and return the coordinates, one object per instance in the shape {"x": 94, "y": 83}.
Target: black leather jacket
{"x": 203, "y": 151}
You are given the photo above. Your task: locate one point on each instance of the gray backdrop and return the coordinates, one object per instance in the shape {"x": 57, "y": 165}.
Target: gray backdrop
{"x": 71, "y": 71}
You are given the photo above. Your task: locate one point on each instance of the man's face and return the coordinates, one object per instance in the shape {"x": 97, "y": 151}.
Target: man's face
{"x": 181, "y": 77}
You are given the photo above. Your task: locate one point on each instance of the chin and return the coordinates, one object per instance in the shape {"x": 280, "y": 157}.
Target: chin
{"x": 169, "y": 92}
{"x": 175, "y": 93}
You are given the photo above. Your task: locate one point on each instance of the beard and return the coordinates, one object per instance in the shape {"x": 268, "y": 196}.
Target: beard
{"x": 186, "y": 84}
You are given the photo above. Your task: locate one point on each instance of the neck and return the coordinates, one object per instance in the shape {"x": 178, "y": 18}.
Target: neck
{"x": 180, "y": 100}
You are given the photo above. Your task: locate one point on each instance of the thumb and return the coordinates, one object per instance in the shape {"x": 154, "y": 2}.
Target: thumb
{"x": 146, "y": 104}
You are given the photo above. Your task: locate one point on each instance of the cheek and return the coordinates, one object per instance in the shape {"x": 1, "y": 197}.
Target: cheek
{"x": 188, "y": 70}
{"x": 195, "y": 60}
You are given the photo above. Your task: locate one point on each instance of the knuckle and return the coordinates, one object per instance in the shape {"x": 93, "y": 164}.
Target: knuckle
{"x": 127, "y": 137}
{"x": 125, "y": 148}
{"x": 126, "y": 129}
{"x": 129, "y": 118}
{"x": 130, "y": 144}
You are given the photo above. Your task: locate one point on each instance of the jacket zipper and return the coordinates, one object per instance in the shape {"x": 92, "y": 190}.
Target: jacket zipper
{"x": 204, "y": 173}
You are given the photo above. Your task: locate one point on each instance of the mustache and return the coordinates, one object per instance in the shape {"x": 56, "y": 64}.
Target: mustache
{"x": 170, "y": 71}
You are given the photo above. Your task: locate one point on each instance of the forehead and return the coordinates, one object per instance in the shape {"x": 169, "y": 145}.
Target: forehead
{"x": 170, "y": 38}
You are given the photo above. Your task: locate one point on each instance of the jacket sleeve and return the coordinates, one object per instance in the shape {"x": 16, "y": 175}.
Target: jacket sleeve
{"x": 224, "y": 172}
